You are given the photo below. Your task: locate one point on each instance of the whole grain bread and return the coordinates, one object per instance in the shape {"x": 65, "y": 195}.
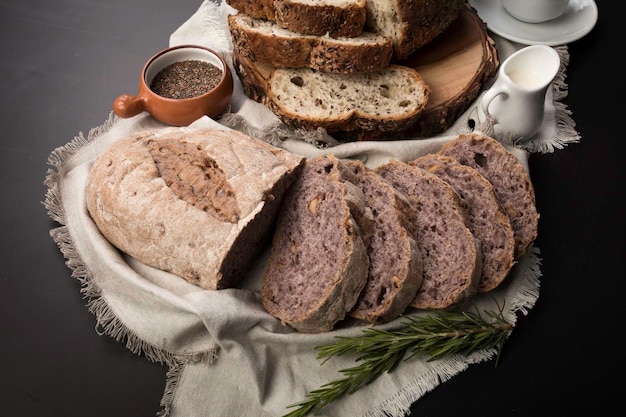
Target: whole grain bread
{"x": 510, "y": 180}
{"x": 387, "y": 100}
{"x": 411, "y": 24}
{"x": 335, "y": 18}
{"x": 318, "y": 260}
{"x": 265, "y": 42}
{"x": 450, "y": 252}
{"x": 196, "y": 203}
{"x": 395, "y": 271}
{"x": 489, "y": 224}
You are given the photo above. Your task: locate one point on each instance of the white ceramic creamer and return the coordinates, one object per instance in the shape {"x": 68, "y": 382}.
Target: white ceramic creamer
{"x": 516, "y": 100}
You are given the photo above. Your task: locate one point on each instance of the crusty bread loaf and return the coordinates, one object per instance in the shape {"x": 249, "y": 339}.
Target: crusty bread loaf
{"x": 411, "y": 24}
{"x": 387, "y": 100}
{"x": 196, "y": 203}
{"x": 489, "y": 224}
{"x": 451, "y": 254}
{"x": 265, "y": 42}
{"x": 395, "y": 271}
{"x": 335, "y": 18}
{"x": 318, "y": 261}
{"x": 511, "y": 182}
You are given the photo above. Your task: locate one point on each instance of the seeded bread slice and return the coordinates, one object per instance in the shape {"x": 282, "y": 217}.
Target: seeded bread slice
{"x": 395, "y": 271}
{"x": 450, "y": 252}
{"x": 387, "y": 100}
{"x": 335, "y": 18}
{"x": 265, "y": 42}
{"x": 511, "y": 182}
{"x": 489, "y": 224}
{"x": 318, "y": 260}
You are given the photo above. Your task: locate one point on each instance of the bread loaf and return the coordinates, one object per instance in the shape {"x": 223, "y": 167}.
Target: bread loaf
{"x": 411, "y": 24}
{"x": 335, "y": 18}
{"x": 387, "y": 100}
{"x": 489, "y": 224}
{"x": 451, "y": 254}
{"x": 265, "y": 42}
{"x": 318, "y": 261}
{"x": 511, "y": 182}
{"x": 395, "y": 271}
{"x": 196, "y": 203}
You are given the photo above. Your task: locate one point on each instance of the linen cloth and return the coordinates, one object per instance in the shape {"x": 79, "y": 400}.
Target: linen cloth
{"x": 225, "y": 354}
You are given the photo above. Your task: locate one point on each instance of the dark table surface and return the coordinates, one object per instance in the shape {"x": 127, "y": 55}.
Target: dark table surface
{"x": 63, "y": 62}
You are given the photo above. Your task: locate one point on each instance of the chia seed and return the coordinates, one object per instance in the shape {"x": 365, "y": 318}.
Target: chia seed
{"x": 186, "y": 79}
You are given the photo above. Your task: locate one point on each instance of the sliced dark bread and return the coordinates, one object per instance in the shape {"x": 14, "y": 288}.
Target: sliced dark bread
{"x": 489, "y": 224}
{"x": 389, "y": 100}
{"x": 395, "y": 271}
{"x": 335, "y": 18}
{"x": 265, "y": 42}
{"x": 318, "y": 261}
{"x": 511, "y": 182}
{"x": 451, "y": 254}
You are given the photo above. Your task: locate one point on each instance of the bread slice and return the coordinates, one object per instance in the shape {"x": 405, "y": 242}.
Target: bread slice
{"x": 196, "y": 203}
{"x": 511, "y": 182}
{"x": 451, "y": 254}
{"x": 395, "y": 271}
{"x": 387, "y": 100}
{"x": 265, "y": 42}
{"x": 489, "y": 224}
{"x": 318, "y": 261}
{"x": 411, "y": 24}
{"x": 335, "y": 18}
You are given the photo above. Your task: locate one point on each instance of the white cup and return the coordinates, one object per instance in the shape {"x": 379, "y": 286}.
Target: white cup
{"x": 516, "y": 100}
{"x": 535, "y": 11}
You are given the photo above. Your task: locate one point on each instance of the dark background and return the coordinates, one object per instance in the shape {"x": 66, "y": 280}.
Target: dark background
{"x": 63, "y": 62}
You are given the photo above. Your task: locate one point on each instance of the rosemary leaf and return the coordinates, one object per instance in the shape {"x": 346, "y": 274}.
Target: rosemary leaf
{"x": 436, "y": 335}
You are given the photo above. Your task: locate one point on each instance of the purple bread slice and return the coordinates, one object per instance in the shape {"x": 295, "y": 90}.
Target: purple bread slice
{"x": 488, "y": 222}
{"x": 510, "y": 180}
{"x": 395, "y": 271}
{"x": 318, "y": 260}
{"x": 450, "y": 252}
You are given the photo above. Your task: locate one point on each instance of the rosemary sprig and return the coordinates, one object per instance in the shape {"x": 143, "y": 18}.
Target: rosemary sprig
{"x": 436, "y": 335}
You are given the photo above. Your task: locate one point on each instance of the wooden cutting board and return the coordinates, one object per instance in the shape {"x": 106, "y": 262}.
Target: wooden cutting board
{"x": 456, "y": 66}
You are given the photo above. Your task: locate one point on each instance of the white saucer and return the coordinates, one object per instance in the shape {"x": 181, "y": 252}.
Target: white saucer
{"x": 578, "y": 20}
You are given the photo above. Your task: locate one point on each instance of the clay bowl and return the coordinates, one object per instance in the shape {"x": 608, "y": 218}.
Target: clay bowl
{"x": 191, "y": 99}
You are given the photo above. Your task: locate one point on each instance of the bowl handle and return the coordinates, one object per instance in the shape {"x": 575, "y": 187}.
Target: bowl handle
{"x": 128, "y": 105}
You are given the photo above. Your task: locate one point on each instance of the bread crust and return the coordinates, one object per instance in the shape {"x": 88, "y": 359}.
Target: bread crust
{"x": 318, "y": 18}
{"x": 322, "y": 18}
{"x": 265, "y": 43}
{"x": 136, "y": 210}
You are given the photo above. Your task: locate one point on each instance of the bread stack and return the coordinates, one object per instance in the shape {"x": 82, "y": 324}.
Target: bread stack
{"x": 333, "y": 64}
{"x": 425, "y": 234}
